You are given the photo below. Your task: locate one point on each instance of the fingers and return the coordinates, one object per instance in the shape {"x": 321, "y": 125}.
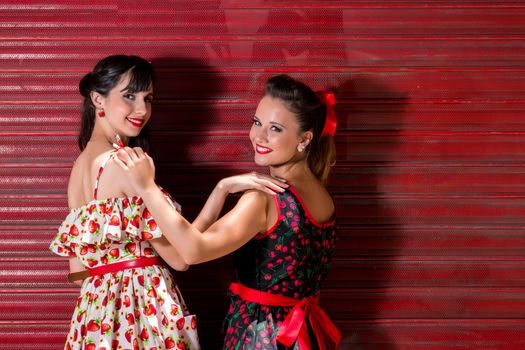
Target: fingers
{"x": 270, "y": 190}
{"x": 121, "y": 164}
{"x": 139, "y": 152}
{"x": 129, "y": 156}
{"x": 150, "y": 160}
{"x": 267, "y": 184}
{"x": 278, "y": 182}
{"x": 135, "y": 153}
{"x": 276, "y": 187}
{"x": 124, "y": 155}
{"x": 143, "y": 155}
{"x": 270, "y": 181}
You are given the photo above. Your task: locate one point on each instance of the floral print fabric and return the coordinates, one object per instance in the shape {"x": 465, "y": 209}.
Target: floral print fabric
{"x": 292, "y": 259}
{"x": 138, "y": 308}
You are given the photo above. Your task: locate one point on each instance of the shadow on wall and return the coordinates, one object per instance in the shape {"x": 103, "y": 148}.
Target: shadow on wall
{"x": 370, "y": 237}
{"x": 182, "y": 113}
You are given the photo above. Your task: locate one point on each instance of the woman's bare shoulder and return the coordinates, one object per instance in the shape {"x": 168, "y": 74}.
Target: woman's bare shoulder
{"x": 317, "y": 200}
{"x": 83, "y": 176}
{"x": 112, "y": 181}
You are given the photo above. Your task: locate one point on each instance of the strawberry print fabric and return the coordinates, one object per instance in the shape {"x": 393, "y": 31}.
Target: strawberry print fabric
{"x": 292, "y": 259}
{"x": 138, "y": 308}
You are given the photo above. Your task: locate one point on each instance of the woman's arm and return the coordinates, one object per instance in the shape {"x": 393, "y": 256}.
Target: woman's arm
{"x": 226, "y": 235}
{"x": 76, "y": 266}
{"x": 243, "y": 222}
{"x": 234, "y": 184}
{"x": 169, "y": 254}
{"x": 114, "y": 175}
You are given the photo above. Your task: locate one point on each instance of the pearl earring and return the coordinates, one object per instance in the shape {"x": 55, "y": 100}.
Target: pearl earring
{"x": 300, "y": 148}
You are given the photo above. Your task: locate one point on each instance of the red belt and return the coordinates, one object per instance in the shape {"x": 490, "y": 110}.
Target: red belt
{"x": 294, "y": 326}
{"x": 115, "y": 267}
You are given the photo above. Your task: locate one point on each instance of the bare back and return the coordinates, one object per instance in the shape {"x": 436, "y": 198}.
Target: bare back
{"x": 317, "y": 199}
{"x": 84, "y": 175}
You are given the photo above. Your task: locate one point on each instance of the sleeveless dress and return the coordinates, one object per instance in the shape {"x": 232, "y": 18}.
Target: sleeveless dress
{"x": 292, "y": 259}
{"x": 138, "y": 308}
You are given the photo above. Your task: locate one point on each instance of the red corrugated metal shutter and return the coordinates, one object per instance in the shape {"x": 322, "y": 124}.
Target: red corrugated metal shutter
{"x": 429, "y": 183}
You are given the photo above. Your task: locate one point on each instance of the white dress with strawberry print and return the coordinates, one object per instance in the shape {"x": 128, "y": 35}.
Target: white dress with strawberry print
{"x": 139, "y": 308}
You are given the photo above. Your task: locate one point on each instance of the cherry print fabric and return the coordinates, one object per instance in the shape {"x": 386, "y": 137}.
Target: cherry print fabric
{"x": 292, "y": 259}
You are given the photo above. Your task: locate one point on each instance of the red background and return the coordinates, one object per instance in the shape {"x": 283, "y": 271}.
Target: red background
{"x": 429, "y": 181}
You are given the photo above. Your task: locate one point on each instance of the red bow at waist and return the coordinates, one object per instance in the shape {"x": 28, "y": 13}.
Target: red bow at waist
{"x": 294, "y": 326}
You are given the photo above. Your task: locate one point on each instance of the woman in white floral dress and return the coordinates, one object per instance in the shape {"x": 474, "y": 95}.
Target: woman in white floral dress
{"x": 128, "y": 299}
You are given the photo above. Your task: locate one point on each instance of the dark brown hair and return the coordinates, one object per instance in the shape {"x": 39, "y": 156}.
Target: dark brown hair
{"x": 301, "y": 100}
{"x": 105, "y": 76}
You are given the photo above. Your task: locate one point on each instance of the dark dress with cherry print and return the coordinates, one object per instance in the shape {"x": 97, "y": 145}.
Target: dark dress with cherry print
{"x": 291, "y": 259}
{"x": 139, "y": 308}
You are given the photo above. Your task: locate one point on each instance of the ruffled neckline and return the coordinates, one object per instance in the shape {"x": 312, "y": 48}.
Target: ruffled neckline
{"x": 109, "y": 199}
{"x": 102, "y": 220}
{"x": 111, "y": 219}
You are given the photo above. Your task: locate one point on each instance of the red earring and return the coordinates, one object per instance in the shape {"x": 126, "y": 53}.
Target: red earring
{"x": 101, "y": 114}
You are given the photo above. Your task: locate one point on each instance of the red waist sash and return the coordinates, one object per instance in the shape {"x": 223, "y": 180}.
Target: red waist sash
{"x": 115, "y": 267}
{"x": 294, "y": 326}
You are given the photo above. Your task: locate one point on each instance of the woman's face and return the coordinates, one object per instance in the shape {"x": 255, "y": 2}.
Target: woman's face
{"x": 275, "y": 133}
{"x": 127, "y": 113}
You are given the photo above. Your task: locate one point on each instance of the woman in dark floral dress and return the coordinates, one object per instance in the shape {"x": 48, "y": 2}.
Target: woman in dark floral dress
{"x": 283, "y": 242}
{"x": 291, "y": 259}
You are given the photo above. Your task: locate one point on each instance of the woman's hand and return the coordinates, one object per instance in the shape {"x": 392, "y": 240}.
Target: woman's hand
{"x": 138, "y": 167}
{"x": 252, "y": 181}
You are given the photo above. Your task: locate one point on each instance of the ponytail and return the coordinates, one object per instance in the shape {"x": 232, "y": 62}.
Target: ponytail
{"x": 321, "y": 157}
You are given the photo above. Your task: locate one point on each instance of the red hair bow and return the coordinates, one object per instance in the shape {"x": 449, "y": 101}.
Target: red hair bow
{"x": 330, "y": 124}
